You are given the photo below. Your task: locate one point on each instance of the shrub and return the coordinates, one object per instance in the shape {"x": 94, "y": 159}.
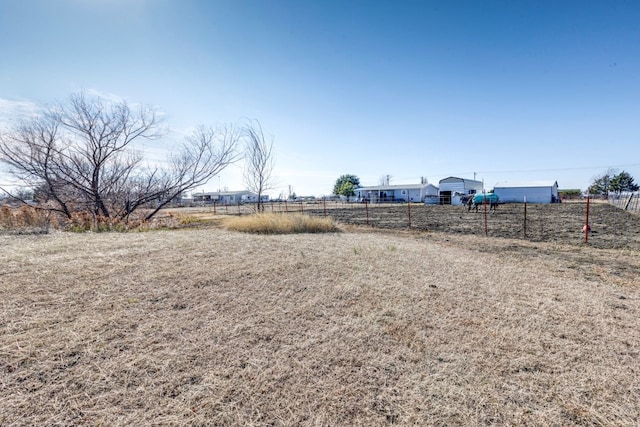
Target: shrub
{"x": 6, "y": 217}
{"x": 81, "y": 222}
{"x": 277, "y": 223}
{"x": 24, "y": 219}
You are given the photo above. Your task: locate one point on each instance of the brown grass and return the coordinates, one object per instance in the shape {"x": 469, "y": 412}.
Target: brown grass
{"x": 210, "y": 327}
{"x": 24, "y": 220}
{"x": 276, "y": 223}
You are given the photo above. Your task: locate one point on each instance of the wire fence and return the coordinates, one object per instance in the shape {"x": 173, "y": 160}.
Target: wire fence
{"x": 611, "y": 225}
{"x": 626, "y": 201}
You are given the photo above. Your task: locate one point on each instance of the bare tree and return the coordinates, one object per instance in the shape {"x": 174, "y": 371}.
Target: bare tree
{"x": 31, "y": 152}
{"x": 206, "y": 153}
{"x": 80, "y": 157}
{"x": 259, "y": 161}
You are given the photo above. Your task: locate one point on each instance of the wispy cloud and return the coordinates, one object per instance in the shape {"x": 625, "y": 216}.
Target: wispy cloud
{"x": 12, "y": 111}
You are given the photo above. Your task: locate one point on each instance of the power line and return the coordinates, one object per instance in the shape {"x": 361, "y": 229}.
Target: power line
{"x": 564, "y": 169}
{"x": 477, "y": 172}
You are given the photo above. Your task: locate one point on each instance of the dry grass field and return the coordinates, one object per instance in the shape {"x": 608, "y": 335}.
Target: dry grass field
{"x": 203, "y": 326}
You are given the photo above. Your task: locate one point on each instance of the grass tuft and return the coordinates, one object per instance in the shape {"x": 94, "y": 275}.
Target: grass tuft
{"x": 274, "y": 223}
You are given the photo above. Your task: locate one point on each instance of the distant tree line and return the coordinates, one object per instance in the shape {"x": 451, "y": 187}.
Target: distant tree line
{"x": 612, "y": 181}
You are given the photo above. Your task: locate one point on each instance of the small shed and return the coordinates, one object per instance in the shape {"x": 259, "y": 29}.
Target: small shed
{"x": 396, "y": 193}
{"x": 534, "y": 192}
{"x": 452, "y": 189}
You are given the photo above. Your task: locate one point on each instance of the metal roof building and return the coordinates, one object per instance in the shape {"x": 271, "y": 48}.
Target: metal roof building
{"x": 452, "y": 188}
{"x": 396, "y": 193}
{"x": 531, "y": 192}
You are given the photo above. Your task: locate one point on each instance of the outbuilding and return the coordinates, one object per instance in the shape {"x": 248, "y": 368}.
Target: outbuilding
{"x": 454, "y": 189}
{"x": 396, "y": 193}
{"x": 228, "y": 197}
{"x": 532, "y": 192}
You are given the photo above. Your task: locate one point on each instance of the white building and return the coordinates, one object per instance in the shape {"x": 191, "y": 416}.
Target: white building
{"x": 535, "y": 192}
{"x": 396, "y": 193}
{"x": 228, "y": 197}
{"x": 453, "y": 189}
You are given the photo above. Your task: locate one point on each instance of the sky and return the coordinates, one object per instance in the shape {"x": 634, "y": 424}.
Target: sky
{"x": 503, "y": 91}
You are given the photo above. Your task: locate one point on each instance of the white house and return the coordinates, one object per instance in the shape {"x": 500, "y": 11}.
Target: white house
{"x": 535, "y": 192}
{"x": 228, "y": 197}
{"x": 396, "y": 193}
{"x": 452, "y": 189}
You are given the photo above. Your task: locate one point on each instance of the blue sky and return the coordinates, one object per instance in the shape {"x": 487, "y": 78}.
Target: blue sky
{"x": 508, "y": 90}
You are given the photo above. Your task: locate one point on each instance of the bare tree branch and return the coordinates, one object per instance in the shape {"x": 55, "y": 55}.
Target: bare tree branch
{"x": 259, "y": 160}
{"x": 80, "y": 156}
{"x": 203, "y": 155}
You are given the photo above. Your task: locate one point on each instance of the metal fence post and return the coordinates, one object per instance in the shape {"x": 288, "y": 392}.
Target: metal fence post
{"x": 524, "y": 225}
{"x": 586, "y": 224}
{"x": 484, "y": 203}
{"x": 366, "y": 208}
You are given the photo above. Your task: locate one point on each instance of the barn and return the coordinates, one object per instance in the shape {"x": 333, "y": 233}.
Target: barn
{"x": 452, "y": 189}
{"x": 534, "y": 192}
{"x": 396, "y": 193}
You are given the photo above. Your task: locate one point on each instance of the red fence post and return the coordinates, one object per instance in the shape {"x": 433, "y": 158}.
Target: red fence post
{"x": 586, "y": 227}
{"x": 484, "y": 203}
{"x": 524, "y": 225}
{"x": 366, "y": 208}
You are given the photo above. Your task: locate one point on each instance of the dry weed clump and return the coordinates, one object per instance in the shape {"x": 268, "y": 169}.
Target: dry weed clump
{"x": 24, "y": 220}
{"x": 211, "y": 327}
{"x": 84, "y": 221}
{"x": 277, "y": 223}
